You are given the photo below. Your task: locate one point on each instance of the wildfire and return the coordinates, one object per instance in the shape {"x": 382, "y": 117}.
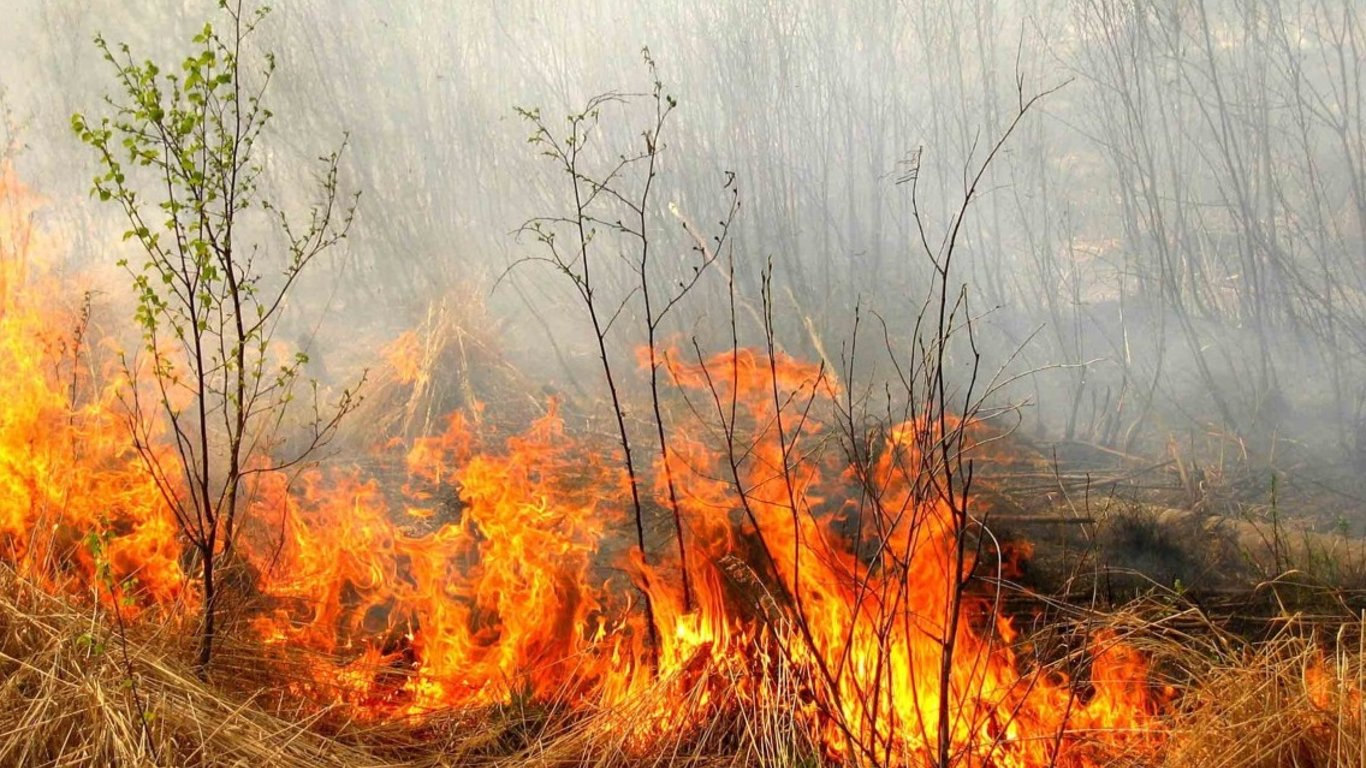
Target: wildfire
{"x": 77, "y": 508}
{"x": 484, "y": 566}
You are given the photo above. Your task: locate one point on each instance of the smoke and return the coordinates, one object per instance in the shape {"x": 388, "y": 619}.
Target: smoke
{"x": 1170, "y": 242}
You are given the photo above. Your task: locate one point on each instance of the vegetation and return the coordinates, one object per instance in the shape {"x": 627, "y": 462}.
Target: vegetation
{"x": 1287, "y": 701}
{"x": 986, "y": 437}
{"x": 180, "y": 157}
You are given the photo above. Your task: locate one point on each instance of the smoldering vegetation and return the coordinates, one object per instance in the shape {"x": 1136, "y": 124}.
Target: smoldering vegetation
{"x": 1165, "y": 259}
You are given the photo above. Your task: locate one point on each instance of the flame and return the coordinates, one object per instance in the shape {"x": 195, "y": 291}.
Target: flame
{"x": 403, "y": 356}
{"x": 75, "y": 501}
{"x": 475, "y": 567}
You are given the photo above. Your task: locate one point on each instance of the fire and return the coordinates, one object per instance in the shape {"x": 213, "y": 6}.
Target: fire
{"x": 75, "y": 501}
{"x": 480, "y": 566}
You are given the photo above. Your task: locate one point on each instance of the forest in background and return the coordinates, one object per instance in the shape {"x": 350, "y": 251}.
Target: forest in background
{"x": 1171, "y": 246}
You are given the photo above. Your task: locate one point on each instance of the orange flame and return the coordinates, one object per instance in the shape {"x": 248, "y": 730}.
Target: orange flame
{"x": 477, "y": 569}
{"x": 68, "y": 471}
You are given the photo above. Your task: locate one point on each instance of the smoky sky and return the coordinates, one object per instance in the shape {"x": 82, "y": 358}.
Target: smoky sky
{"x": 1172, "y": 238}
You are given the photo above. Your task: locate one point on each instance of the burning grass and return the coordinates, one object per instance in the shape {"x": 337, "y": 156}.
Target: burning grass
{"x": 81, "y": 690}
{"x": 476, "y": 601}
{"x": 78, "y": 691}
{"x": 836, "y": 610}
{"x": 1289, "y": 701}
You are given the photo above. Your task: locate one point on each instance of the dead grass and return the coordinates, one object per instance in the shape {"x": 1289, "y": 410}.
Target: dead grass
{"x": 73, "y": 694}
{"x": 1290, "y": 701}
{"x": 67, "y": 698}
{"x": 70, "y": 697}
{"x": 450, "y": 362}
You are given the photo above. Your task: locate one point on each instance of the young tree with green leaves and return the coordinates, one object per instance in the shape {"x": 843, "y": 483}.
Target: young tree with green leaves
{"x": 181, "y": 155}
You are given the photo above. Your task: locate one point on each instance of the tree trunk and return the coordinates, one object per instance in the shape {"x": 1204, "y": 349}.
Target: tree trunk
{"x": 207, "y": 632}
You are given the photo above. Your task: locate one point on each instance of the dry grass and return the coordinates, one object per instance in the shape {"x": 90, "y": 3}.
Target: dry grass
{"x": 74, "y": 694}
{"x": 69, "y": 696}
{"x": 448, "y": 363}
{"x": 1287, "y": 702}
{"x": 1290, "y": 700}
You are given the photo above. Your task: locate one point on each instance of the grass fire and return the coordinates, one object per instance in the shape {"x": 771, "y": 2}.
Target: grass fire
{"x": 935, "y": 386}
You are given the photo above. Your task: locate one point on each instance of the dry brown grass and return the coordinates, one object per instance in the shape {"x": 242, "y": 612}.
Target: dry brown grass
{"x": 75, "y": 691}
{"x": 69, "y": 696}
{"x": 1292, "y": 701}
{"x": 449, "y": 362}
